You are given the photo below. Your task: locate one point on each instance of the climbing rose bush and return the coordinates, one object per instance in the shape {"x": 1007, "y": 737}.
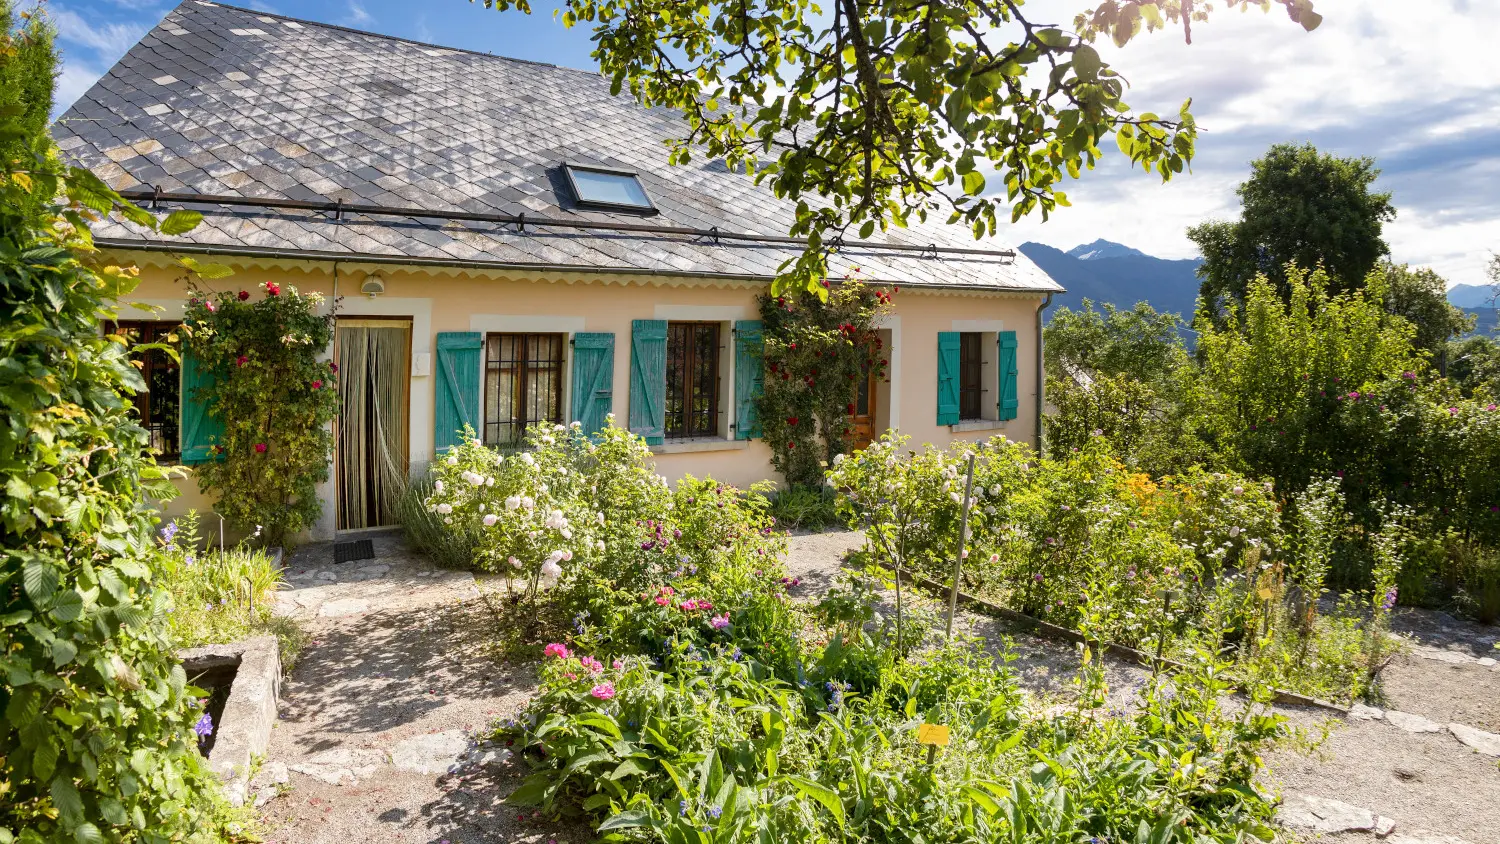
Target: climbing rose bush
{"x": 274, "y": 396}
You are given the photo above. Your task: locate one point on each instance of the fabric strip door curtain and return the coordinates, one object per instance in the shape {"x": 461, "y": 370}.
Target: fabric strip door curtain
{"x": 371, "y": 459}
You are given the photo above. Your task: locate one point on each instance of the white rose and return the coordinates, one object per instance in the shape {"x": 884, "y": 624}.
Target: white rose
{"x": 1234, "y": 531}
{"x": 452, "y": 460}
{"x": 438, "y": 485}
{"x": 527, "y": 458}
{"x": 513, "y": 502}
{"x": 551, "y": 570}
{"x": 528, "y": 502}
{"x": 567, "y": 534}
{"x": 514, "y": 563}
{"x": 547, "y": 440}
{"x": 445, "y": 509}
{"x": 599, "y": 545}
{"x": 490, "y": 519}
{"x": 476, "y": 443}
{"x": 576, "y": 425}
{"x": 489, "y": 481}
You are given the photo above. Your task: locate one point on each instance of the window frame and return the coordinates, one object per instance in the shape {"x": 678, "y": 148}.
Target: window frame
{"x": 971, "y": 376}
{"x": 691, "y": 365}
{"x": 524, "y": 371}
{"x": 578, "y": 197}
{"x": 142, "y": 402}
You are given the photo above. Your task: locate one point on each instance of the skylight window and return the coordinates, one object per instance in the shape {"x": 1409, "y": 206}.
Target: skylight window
{"x": 600, "y": 187}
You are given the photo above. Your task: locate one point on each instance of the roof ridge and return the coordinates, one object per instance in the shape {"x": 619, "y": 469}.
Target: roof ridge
{"x": 380, "y": 35}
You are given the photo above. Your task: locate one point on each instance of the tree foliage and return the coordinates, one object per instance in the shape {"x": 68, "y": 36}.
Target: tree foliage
{"x": 96, "y": 741}
{"x": 1420, "y": 296}
{"x": 1139, "y": 343}
{"x": 1300, "y": 206}
{"x": 874, "y": 113}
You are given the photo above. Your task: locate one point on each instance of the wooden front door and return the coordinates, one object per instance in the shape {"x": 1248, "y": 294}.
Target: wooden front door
{"x": 864, "y": 411}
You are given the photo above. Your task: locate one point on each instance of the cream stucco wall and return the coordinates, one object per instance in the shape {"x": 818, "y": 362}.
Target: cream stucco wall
{"x": 439, "y": 300}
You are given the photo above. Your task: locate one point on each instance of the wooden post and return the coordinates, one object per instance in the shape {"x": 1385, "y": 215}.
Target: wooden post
{"x": 1161, "y": 639}
{"x": 963, "y": 531}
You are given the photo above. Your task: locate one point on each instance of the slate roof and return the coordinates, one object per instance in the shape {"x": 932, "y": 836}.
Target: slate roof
{"x": 224, "y": 101}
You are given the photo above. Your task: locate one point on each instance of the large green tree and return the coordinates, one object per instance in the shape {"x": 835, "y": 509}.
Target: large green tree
{"x": 95, "y": 742}
{"x": 1420, "y": 296}
{"x": 1299, "y": 206}
{"x": 872, "y": 113}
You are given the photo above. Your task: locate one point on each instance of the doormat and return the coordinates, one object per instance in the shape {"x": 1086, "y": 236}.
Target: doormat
{"x": 348, "y": 552}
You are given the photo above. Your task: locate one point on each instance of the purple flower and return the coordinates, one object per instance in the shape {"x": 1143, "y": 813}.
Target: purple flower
{"x": 719, "y": 622}
{"x": 714, "y": 812}
{"x": 205, "y": 726}
{"x": 1037, "y": 577}
{"x": 1390, "y": 599}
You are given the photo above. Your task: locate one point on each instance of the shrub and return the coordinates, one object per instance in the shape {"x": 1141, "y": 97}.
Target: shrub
{"x": 96, "y": 740}
{"x": 450, "y": 546}
{"x": 804, "y": 507}
{"x": 274, "y": 398}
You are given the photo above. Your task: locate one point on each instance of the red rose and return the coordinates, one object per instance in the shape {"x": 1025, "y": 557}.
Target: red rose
{"x": 791, "y": 420}
{"x": 850, "y": 408}
{"x": 790, "y": 446}
{"x": 786, "y": 376}
{"x": 241, "y": 360}
{"x": 333, "y": 367}
{"x": 260, "y": 448}
{"x": 272, "y": 288}
{"x": 317, "y": 385}
{"x": 244, "y": 294}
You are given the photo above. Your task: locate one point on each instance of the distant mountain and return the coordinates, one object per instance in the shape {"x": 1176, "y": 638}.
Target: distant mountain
{"x": 1110, "y": 272}
{"x": 1472, "y": 296}
{"x": 1102, "y": 248}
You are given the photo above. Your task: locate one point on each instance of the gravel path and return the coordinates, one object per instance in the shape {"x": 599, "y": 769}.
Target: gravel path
{"x": 377, "y": 719}
{"x": 1426, "y": 770}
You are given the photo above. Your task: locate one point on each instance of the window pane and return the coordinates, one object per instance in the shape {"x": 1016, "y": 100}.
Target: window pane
{"x": 609, "y": 188}
{"x": 523, "y": 384}
{"x": 158, "y": 408}
{"x": 971, "y": 380}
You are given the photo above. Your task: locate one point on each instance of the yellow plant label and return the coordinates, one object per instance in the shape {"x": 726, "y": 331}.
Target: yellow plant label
{"x": 1265, "y": 593}
{"x": 932, "y": 734}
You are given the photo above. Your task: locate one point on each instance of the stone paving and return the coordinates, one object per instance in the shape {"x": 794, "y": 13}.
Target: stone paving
{"x": 377, "y": 737}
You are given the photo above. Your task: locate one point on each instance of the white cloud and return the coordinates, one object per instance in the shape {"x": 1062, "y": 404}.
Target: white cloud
{"x": 111, "y": 40}
{"x": 1414, "y": 89}
{"x": 74, "y": 79}
{"x": 357, "y": 15}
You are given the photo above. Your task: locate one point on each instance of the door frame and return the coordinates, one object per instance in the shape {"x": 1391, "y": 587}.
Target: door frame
{"x": 379, "y": 321}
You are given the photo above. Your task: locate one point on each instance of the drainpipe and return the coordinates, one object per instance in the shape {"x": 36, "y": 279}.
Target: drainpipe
{"x": 1041, "y": 376}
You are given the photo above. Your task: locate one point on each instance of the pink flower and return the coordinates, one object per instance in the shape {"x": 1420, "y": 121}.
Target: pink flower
{"x": 212, "y": 308}
{"x": 260, "y": 448}
{"x": 603, "y": 691}
{"x": 558, "y": 650}
{"x": 272, "y": 288}
{"x": 662, "y": 600}
{"x": 318, "y": 384}
{"x": 593, "y": 665}
{"x": 617, "y": 665}
{"x": 719, "y": 622}
{"x": 241, "y": 360}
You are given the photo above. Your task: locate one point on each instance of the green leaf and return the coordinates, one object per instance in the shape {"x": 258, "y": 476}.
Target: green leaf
{"x": 44, "y": 758}
{"x": 65, "y": 798}
{"x": 1086, "y": 63}
{"x": 40, "y": 578}
{"x": 63, "y": 652}
{"x": 821, "y": 793}
{"x": 973, "y": 183}
{"x": 181, "y": 222}
{"x": 632, "y": 819}
{"x": 87, "y": 833}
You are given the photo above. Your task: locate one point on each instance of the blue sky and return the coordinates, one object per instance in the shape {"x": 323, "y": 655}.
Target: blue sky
{"x": 1413, "y": 85}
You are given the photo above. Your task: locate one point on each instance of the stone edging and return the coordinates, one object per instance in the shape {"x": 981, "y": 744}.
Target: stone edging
{"x": 1129, "y": 654}
{"x": 244, "y": 729}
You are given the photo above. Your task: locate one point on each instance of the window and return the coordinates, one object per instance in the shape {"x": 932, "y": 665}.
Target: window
{"x": 608, "y": 189}
{"x": 523, "y": 384}
{"x": 970, "y": 375}
{"x": 692, "y": 406}
{"x": 159, "y": 406}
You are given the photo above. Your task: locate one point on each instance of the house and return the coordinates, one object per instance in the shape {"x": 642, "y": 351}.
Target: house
{"x": 506, "y": 243}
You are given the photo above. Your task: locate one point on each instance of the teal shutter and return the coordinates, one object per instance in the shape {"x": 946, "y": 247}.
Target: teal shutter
{"x": 1008, "y": 398}
{"x": 947, "y": 378}
{"x": 593, "y": 379}
{"x": 200, "y": 429}
{"x": 648, "y": 379}
{"x": 458, "y": 394}
{"x": 749, "y": 378}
